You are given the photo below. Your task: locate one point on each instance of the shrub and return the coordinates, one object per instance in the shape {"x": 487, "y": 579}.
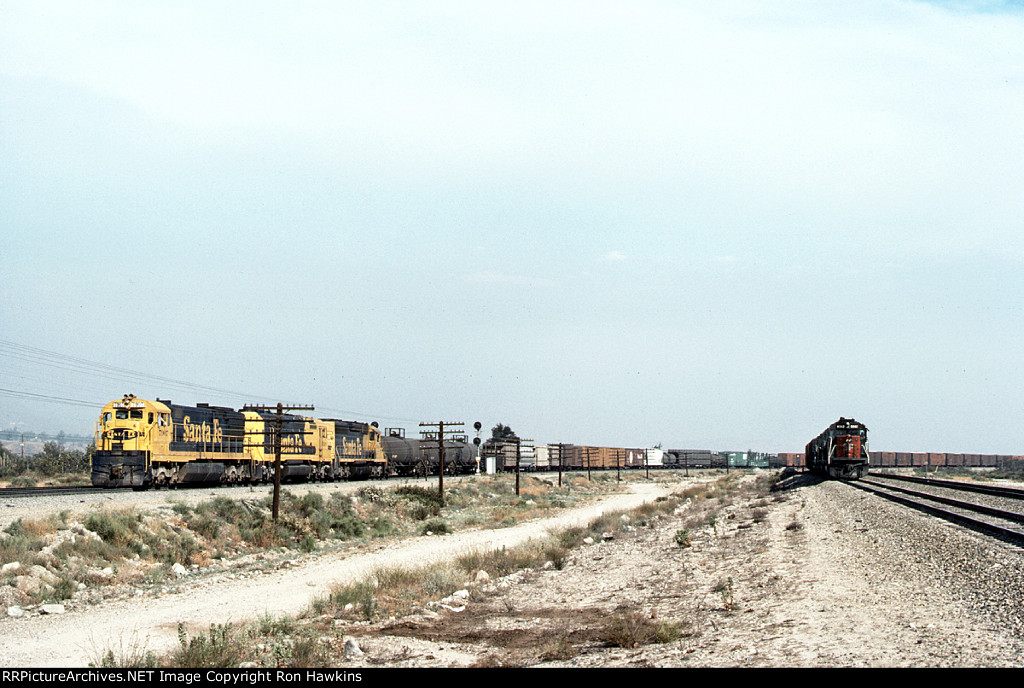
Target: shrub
{"x": 435, "y": 526}
{"x": 430, "y": 501}
{"x": 115, "y": 527}
{"x": 557, "y": 555}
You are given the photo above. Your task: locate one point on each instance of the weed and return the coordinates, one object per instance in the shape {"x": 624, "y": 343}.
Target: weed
{"x": 268, "y": 626}
{"x": 115, "y": 527}
{"x": 134, "y": 656}
{"x": 629, "y": 629}
{"x": 63, "y": 589}
{"x": 558, "y": 648}
{"x": 309, "y": 651}
{"x": 221, "y": 648}
{"x": 360, "y": 595}
{"x": 682, "y": 537}
{"x": 667, "y": 632}
{"x": 571, "y": 537}
{"x": 724, "y": 587}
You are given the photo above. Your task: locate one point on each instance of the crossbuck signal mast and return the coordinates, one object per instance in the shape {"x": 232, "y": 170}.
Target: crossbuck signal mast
{"x": 279, "y": 410}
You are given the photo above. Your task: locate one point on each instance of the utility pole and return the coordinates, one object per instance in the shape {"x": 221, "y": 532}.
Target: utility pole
{"x": 518, "y": 445}
{"x": 278, "y": 423}
{"x": 440, "y": 448}
{"x": 561, "y": 450}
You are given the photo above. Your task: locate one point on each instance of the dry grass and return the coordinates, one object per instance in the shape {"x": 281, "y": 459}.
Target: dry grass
{"x": 395, "y": 592}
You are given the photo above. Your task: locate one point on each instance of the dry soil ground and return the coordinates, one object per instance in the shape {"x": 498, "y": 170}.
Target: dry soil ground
{"x": 804, "y": 578}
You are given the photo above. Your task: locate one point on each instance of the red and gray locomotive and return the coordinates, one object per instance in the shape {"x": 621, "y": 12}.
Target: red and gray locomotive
{"x": 841, "y": 451}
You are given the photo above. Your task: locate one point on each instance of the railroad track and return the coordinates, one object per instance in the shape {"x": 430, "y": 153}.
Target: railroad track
{"x": 1004, "y": 524}
{"x": 999, "y": 491}
{"x": 48, "y": 491}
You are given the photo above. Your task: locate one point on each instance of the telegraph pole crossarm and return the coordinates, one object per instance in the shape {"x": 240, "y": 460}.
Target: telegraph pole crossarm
{"x": 278, "y": 410}
{"x": 453, "y": 428}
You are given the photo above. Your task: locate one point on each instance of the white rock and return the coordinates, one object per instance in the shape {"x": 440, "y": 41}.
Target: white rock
{"x": 352, "y": 649}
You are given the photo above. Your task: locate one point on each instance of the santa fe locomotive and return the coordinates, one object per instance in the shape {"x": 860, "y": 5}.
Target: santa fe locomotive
{"x": 841, "y": 451}
{"x": 142, "y": 443}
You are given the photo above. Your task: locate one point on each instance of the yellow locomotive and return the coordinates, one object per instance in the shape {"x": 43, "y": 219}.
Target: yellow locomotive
{"x": 141, "y": 444}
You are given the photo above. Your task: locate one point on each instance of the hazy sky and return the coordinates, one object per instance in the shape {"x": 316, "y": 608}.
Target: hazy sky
{"x": 717, "y": 225}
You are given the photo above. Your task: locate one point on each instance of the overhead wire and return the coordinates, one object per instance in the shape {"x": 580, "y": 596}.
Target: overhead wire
{"x": 97, "y": 369}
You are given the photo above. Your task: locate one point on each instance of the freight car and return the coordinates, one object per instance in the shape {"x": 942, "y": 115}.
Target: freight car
{"x": 694, "y": 458}
{"x": 142, "y": 443}
{"x": 407, "y": 457}
{"x": 841, "y": 451}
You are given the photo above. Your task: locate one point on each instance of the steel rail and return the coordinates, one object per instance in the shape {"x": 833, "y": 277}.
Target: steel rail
{"x": 970, "y": 506}
{"x": 1004, "y": 533}
{"x": 1000, "y": 491}
{"x": 48, "y": 491}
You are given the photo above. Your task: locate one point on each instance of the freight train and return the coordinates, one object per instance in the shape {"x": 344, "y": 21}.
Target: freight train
{"x": 142, "y": 443}
{"x": 841, "y": 451}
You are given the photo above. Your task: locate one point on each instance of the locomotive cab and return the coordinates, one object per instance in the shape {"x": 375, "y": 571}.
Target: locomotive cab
{"x": 129, "y": 430}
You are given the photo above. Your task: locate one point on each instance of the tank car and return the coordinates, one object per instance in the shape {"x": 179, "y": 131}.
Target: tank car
{"x": 407, "y": 456}
{"x": 841, "y": 451}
